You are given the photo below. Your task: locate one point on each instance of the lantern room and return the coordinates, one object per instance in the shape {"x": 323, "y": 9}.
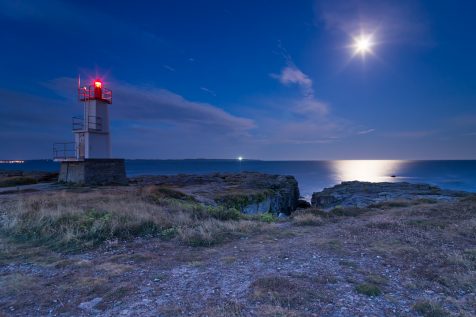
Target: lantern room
{"x": 95, "y": 91}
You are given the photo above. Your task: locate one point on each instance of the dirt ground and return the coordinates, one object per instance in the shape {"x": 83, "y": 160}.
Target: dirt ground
{"x": 417, "y": 260}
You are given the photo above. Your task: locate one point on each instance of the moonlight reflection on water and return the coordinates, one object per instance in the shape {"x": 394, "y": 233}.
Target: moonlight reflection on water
{"x": 365, "y": 170}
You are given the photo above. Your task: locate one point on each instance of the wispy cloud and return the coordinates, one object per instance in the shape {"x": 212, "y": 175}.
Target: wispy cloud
{"x": 308, "y": 104}
{"x": 311, "y": 121}
{"x": 208, "y": 91}
{"x": 365, "y": 131}
{"x": 169, "y": 68}
{"x": 156, "y": 104}
{"x": 292, "y": 75}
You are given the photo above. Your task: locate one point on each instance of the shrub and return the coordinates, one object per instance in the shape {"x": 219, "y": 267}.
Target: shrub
{"x": 17, "y": 181}
{"x": 368, "y": 289}
{"x": 222, "y": 213}
{"x": 168, "y": 233}
{"x": 429, "y": 309}
{"x": 267, "y": 217}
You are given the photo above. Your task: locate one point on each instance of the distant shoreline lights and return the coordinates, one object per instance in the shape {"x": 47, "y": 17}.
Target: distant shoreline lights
{"x": 11, "y": 162}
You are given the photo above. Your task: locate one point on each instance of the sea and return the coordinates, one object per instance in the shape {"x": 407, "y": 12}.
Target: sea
{"x": 312, "y": 176}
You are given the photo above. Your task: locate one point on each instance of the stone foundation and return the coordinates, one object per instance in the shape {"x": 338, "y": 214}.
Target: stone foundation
{"x": 94, "y": 172}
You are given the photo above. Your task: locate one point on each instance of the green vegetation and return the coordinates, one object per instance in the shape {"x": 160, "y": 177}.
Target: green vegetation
{"x": 368, "y": 289}
{"x": 239, "y": 200}
{"x": 429, "y": 309}
{"x": 17, "y": 181}
{"x": 267, "y": 217}
{"x": 223, "y": 213}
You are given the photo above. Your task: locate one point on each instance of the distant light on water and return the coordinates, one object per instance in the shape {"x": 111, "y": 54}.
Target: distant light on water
{"x": 366, "y": 170}
{"x": 11, "y": 162}
{"x": 240, "y": 158}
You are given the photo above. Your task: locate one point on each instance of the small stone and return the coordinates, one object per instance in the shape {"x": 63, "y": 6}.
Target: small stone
{"x": 90, "y": 305}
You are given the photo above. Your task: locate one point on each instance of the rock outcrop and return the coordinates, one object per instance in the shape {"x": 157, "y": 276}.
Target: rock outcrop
{"x": 9, "y": 178}
{"x": 363, "y": 194}
{"x": 249, "y": 192}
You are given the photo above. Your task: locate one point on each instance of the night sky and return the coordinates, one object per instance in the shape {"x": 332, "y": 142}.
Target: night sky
{"x": 271, "y": 80}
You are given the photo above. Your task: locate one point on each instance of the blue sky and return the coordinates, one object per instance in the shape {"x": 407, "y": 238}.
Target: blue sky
{"x": 261, "y": 79}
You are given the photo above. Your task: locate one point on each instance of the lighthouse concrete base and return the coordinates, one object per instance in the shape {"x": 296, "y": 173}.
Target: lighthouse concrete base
{"x": 94, "y": 172}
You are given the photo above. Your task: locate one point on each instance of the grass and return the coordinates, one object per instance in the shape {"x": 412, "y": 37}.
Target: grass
{"x": 17, "y": 181}
{"x": 316, "y": 216}
{"x": 74, "y": 221}
{"x": 429, "y": 309}
{"x": 369, "y": 289}
{"x": 402, "y": 203}
{"x": 307, "y": 219}
{"x": 280, "y": 290}
{"x": 211, "y": 232}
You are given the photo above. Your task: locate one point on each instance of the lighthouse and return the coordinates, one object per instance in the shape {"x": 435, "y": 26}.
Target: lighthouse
{"x": 87, "y": 160}
{"x": 92, "y": 137}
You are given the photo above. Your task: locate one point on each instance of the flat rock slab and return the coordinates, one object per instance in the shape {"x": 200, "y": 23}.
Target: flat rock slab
{"x": 363, "y": 194}
{"x": 248, "y": 192}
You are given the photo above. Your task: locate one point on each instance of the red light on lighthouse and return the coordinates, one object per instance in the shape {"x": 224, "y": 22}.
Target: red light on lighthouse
{"x": 97, "y": 89}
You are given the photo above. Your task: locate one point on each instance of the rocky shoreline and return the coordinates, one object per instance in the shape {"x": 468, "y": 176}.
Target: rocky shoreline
{"x": 248, "y": 192}
{"x": 364, "y": 194}
{"x": 253, "y": 192}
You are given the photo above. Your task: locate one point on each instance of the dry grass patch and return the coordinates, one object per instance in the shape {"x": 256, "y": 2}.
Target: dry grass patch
{"x": 278, "y": 311}
{"x": 114, "y": 269}
{"x": 430, "y": 309}
{"x": 229, "y": 308}
{"x": 282, "y": 291}
{"x": 16, "y": 284}
{"x": 210, "y": 232}
{"x": 307, "y": 219}
{"x": 75, "y": 221}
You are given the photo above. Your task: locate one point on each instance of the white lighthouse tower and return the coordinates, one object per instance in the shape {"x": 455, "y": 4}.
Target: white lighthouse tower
{"x": 92, "y": 137}
{"x": 88, "y": 160}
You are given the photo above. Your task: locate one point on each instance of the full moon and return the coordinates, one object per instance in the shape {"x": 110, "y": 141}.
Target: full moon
{"x": 363, "y": 44}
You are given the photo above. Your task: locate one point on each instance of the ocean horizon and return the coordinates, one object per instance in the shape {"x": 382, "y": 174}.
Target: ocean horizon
{"x": 312, "y": 175}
